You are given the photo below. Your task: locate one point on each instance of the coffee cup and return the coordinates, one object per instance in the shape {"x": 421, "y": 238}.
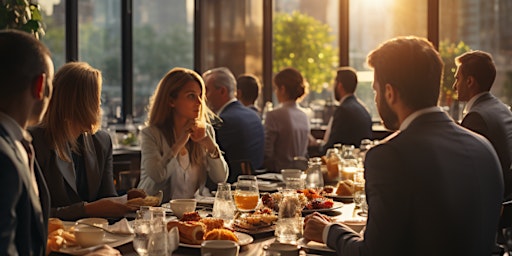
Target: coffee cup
{"x": 219, "y": 248}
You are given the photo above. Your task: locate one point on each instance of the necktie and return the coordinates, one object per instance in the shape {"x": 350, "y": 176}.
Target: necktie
{"x": 30, "y": 153}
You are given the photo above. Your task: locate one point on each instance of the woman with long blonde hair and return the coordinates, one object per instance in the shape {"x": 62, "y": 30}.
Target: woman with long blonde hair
{"x": 75, "y": 156}
{"x": 178, "y": 146}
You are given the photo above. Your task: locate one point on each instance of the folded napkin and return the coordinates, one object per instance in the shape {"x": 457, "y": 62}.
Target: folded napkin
{"x": 173, "y": 240}
{"x": 121, "y": 227}
{"x": 104, "y": 250}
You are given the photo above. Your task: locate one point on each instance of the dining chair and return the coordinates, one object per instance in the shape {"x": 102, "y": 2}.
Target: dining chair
{"x": 128, "y": 179}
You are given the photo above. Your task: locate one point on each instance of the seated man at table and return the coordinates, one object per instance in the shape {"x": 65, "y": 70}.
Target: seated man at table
{"x": 433, "y": 187}
{"x": 240, "y": 136}
{"x": 351, "y": 121}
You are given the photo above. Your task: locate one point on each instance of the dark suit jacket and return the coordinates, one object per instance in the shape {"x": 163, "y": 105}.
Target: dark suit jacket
{"x": 491, "y": 118}
{"x": 433, "y": 189}
{"x": 351, "y": 123}
{"x": 61, "y": 179}
{"x": 23, "y": 215}
{"x": 241, "y": 137}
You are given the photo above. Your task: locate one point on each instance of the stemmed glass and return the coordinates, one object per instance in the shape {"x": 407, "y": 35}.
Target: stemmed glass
{"x": 246, "y": 193}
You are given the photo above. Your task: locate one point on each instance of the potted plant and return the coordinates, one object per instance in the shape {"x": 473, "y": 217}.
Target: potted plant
{"x": 22, "y": 15}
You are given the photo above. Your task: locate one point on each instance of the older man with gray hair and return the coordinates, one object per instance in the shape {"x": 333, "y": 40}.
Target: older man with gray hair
{"x": 240, "y": 136}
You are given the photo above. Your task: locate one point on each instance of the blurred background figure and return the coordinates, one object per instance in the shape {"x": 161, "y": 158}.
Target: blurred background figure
{"x": 248, "y": 89}
{"x": 74, "y": 155}
{"x": 178, "y": 146}
{"x": 287, "y": 127}
{"x": 351, "y": 121}
{"x": 241, "y": 135}
{"x": 26, "y": 73}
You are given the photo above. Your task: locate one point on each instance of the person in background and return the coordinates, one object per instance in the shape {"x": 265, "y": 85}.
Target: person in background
{"x": 351, "y": 121}
{"x": 287, "y": 128}
{"x": 240, "y": 136}
{"x": 75, "y": 156}
{"x": 248, "y": 89}
{"x": 26, "y": 73}
{"x": 425, "y": 162}
{"x": 484, "y": 113}
{"x": 178, "y": 146}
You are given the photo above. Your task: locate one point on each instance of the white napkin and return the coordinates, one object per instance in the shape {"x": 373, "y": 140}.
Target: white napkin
{"x": 173, "y": 240}
{"x": 122, "y": 227}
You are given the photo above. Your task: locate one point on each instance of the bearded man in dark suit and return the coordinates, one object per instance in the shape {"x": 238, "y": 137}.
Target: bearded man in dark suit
{"x": 26, "y": 73}
{"x": 433, "y": 187}
{"x": 351, "y": 121}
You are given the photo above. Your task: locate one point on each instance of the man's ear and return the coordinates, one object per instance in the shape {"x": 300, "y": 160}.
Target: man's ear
{"x": 390, "y": 94}
{"x": 39, "y": 86}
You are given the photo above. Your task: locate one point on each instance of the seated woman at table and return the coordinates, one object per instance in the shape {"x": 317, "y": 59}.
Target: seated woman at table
{"x": 76, "y": 157}
{"x": 287, "y": 127}
{"x": 178, "y": 145}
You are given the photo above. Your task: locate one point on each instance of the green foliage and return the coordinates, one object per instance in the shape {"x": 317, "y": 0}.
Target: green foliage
{"x": 448, "y": 52}
{"x": 304, "y": 43}
{"x": 22, "y": 15}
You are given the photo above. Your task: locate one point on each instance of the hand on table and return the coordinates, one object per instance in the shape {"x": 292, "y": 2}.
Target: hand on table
{"x": 108, "y": 208}
{"x": 314, "y": 225}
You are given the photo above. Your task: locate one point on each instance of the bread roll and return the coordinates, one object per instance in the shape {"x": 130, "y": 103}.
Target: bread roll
{"x": 212, "y": 223}
{"x": 136, "y": 193}
{"x": 54, "y": 224}
{"x": 345, "y": 188}
{"x": 221, "y": 234}
{"x": 191, "y": 232}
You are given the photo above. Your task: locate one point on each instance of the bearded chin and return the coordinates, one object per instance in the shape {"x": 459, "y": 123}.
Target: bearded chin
{"x": 389, "y": 117}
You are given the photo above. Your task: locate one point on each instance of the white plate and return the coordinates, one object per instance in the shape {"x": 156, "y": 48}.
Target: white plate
{"x": 335, "y": 206}
{"x": 243, "y": 239}
{"x": 110, "y": 239}
{"x": 267, "y": 186}
{"x": 311, "y": 245}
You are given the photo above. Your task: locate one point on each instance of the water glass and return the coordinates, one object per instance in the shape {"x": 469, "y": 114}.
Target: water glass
{"x": 359, "y": 192}
{"x": 246, "y": 193}
{"x": 142, "y": 230}
{"x": 290, "y": 222}
{"x": 223, "y": 206}
{"x": 314, "y": 176}
{"x": 157, "y": 243}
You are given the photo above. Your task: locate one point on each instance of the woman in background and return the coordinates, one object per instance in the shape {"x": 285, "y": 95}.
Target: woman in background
{"x": 76, "y": 157}
{"x": 287, "y": 127}
{"x": 178, "y": 146}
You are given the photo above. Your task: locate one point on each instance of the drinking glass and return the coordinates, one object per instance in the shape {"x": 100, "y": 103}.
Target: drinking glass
{"x": 246, "y": 193}
{"x": 223, "y": 206}
{"x": 314, "y": 176}
{"x": 359, "y": 192}
{"x": 142, "y": 230}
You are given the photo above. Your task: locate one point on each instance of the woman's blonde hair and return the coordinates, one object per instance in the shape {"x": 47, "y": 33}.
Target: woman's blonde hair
{"x": 161, "y": 115}
{"x": 75, "y": 104}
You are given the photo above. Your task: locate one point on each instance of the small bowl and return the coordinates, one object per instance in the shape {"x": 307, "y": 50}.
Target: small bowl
{"x": 181, "y": 206}
{"x": 87, "y": 236}
{"x": 100, "y": 222}
{"x": 283, "y": 249}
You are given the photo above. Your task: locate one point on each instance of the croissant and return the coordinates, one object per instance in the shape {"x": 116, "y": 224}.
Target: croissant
{"x": 191, "y": 232}
{"x": 221, "y": 234}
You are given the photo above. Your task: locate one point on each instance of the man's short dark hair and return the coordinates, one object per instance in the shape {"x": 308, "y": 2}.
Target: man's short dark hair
{"x": 479, "y": 65}
{"x": 411, "y": 65}
{"x": 249, "y": 85}
{"x": 22, "y": 59}
{"x": 347, "y": 76}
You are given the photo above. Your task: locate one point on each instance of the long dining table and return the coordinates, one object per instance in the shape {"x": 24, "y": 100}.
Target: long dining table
{"x": 256, "y": 248}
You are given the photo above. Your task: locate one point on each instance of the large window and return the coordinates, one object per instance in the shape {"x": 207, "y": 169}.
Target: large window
{"x": 162, "y": 39}
{"x": 373, "y": 22}
{"x": 54, "y": 38}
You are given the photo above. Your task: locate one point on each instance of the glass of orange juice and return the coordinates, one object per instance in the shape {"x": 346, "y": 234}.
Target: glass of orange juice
{"x": 246, "y": 193}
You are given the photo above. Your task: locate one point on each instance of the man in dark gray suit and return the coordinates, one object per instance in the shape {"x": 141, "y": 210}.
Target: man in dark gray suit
{"x": 351, "y": 121}
{"x": 433, "y": 187}
{"x": 485, "y": 114}
{"x": 26, "y": 74}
